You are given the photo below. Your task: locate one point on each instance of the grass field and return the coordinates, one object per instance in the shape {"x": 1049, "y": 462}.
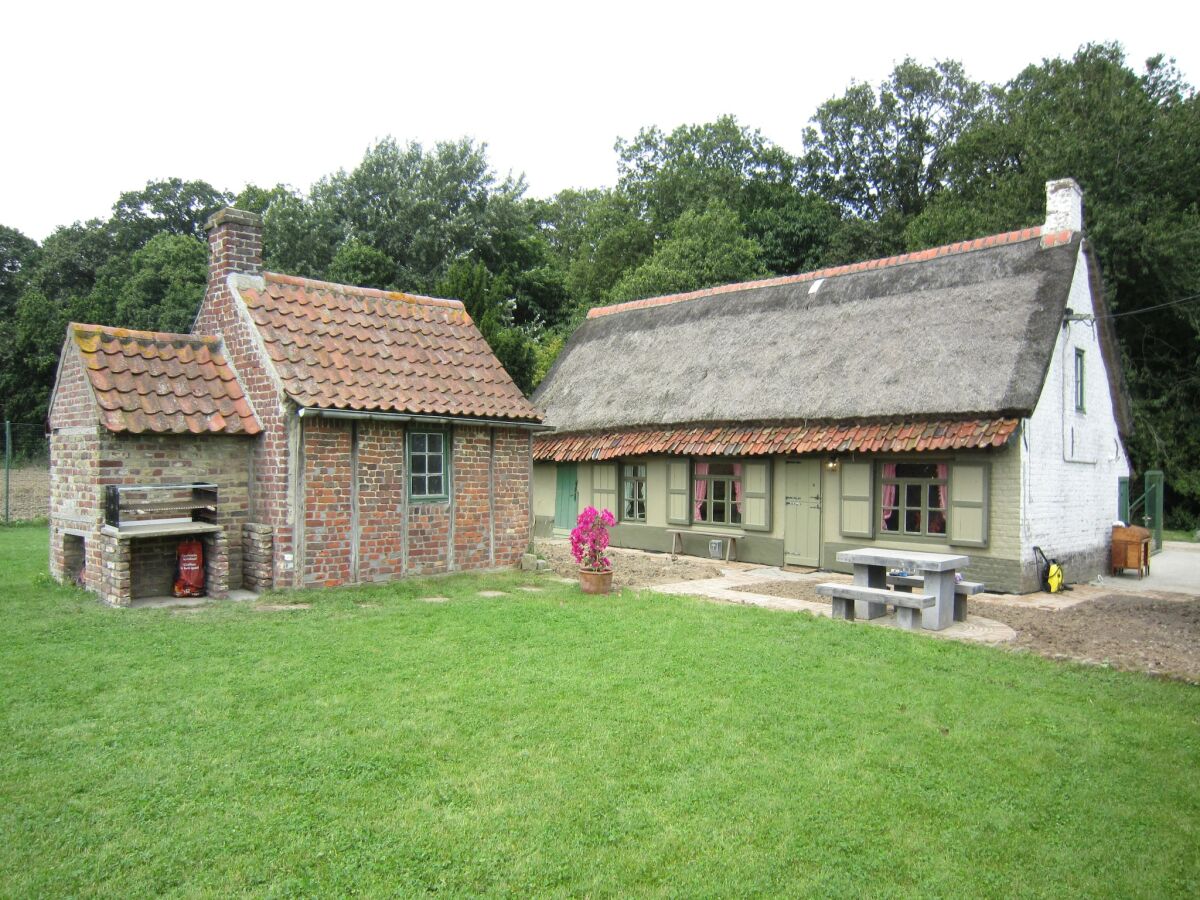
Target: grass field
{"x": 550, "y": 743}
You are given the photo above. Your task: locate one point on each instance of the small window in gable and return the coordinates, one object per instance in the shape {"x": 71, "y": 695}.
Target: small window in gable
{"x": 1079, "y": 383}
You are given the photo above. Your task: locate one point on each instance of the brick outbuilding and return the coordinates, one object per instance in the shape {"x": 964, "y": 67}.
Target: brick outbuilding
{"x": 309, "y": 433}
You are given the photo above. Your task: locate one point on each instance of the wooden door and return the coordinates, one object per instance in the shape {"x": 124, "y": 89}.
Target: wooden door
{"x": 566, "y": 497}
{"x": 802, "y": 519}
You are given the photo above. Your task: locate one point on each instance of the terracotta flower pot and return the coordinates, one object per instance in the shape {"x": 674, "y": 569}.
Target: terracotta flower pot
{"x": 595, "y": 582}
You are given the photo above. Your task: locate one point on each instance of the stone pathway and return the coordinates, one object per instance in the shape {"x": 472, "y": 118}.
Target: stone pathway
{"x": 731, "y": 588}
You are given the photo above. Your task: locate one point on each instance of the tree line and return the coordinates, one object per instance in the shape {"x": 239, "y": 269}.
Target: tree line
{"x": 926, "y": 157}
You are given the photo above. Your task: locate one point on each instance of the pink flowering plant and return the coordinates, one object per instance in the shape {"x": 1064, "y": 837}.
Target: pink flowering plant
{"x": 589, "y": 540}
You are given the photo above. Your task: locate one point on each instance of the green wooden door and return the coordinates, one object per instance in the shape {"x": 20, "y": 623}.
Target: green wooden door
{"x": 566, "y": 497}
{"x": 802, "y": 521}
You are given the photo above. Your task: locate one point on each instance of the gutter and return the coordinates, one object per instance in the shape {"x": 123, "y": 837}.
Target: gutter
{"x": 319, "y": 412}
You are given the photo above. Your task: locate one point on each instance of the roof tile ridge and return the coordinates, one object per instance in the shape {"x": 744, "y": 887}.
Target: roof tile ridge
{"x": 137, "y": 335}
{"x": 982, "y": 243}
{"x": 314, "y": 284}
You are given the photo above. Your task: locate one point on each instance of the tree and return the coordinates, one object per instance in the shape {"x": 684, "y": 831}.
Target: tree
{"x": 164, "y": 284}
{"x": 173, "y": 206}
{"x": 665, "y": 175}
{"x": 704, "y": 249}
{"x": 882, "y": 154}
{"x": 360, "y": 264}
{"x": 489, "y": 303}
{"x": 17, "y": 254}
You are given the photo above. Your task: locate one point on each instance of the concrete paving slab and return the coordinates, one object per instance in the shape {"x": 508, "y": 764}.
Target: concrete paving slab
{"x": 1176, "y": 570}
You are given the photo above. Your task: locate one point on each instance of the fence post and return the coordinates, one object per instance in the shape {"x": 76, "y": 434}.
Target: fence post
{"x": 7, "y": 466}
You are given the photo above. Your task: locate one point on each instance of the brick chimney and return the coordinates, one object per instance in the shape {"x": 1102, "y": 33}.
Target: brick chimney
{"x": 1064, "y": 206}
{"x": 234, "y": 244}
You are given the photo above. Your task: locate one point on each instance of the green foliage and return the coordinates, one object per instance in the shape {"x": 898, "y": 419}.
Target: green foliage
{"x": 666, "y": 175}
{"x": 173, "y": 206}
{"x": 882, "y": 154}
{"x": 164, "y": 285}
{"x": 17, "y": 254}
{"x": 361, "y": 264}
{"x": 703, "y": 249}
{"x": 489, "y": 302}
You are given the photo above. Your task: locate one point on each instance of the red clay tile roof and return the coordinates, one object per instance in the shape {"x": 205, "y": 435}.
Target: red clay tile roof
{"x": 995, "y": 240}
{"x": 341, "y": 347}
{"x": 146, "y": 381}
{"x": 759, "y": 440}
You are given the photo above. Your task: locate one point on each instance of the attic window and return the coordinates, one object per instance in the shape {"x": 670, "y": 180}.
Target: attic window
{"x": 1079, "y": 383}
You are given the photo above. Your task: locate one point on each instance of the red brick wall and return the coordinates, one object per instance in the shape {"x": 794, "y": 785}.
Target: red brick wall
{"x": 472, "y": 505}
{"x": 435, "y": 537}
{"x": 235, "y": 246}
{"x": 511, "y": 473}
{"x": 380, "y": 501}
{"x": 328, "y": 511}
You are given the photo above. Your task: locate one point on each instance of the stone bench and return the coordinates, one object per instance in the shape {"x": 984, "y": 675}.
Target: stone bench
{"x": 962, "y": 591}
{"x": 908, "y": 605}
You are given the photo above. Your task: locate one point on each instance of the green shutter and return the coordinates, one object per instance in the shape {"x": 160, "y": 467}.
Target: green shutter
{"x": 604, "y": 486}
{"x": 857, "y": 500}
{"x": 679, "y": 495}
{"x": 969, "y": 504}
{"x": 756, "y": 495}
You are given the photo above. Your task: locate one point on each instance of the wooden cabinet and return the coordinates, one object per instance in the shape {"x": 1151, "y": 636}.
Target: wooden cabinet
{"x": 1131, "y": 549}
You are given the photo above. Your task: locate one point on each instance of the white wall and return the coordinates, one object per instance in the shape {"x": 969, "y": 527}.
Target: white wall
{"x": 1071, "y": 460}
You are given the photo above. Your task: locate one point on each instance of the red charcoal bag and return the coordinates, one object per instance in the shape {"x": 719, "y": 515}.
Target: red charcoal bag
{"x": 190, "y": 569}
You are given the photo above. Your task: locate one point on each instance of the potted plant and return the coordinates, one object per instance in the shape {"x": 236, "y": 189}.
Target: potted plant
{"x": 589, "y": 540}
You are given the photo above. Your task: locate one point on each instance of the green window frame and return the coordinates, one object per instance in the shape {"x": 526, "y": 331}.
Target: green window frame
{"x": 1080, "y": 372}
{"x": 428, "y": 465}
{"x": 633, "y": 491}
{"x": 914, "y": 501}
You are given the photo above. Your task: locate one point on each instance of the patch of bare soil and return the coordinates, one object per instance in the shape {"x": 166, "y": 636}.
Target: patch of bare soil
{"x": 1127, "y": 631}
{"x": 281, "y": 607}
{"x": 631, "y": 568}
{"x": 1138, "y": 633}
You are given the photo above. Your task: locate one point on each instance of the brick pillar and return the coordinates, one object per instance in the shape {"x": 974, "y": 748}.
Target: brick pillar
{"x": 116, "y": 585}
{"x": 216, "y": 565}
{"x": 257, "y": 555}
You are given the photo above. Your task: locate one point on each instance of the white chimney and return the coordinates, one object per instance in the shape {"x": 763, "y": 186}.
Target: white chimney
{"x": 1064, "y": 206}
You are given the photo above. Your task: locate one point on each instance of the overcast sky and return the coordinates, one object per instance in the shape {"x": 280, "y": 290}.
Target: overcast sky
{"x": 101, "y": 97}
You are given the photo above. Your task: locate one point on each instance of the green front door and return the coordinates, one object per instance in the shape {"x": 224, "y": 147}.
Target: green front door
{"x": 566, "y": 497}
{"x": 802, "y": 521}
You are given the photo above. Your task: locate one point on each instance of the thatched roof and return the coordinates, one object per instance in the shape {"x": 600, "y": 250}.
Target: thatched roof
{"x": 959, "y": 332}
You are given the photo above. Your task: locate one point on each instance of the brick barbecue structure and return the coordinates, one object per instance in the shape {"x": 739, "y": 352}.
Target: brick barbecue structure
{"x": 333, "y": 435}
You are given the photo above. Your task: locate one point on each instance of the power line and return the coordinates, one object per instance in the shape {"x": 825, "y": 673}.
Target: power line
{"x": 1137, "y": 312}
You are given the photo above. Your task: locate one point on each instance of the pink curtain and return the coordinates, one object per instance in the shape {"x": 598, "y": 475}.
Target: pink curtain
{"x": 701, "y": 489}
{"x": 737, "y": 487}
{"x": 942, "y": 471}
{"x": 889, "y": 496}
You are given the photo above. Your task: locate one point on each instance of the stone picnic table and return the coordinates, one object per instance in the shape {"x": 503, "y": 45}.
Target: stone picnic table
{"x": 937, "y": 570}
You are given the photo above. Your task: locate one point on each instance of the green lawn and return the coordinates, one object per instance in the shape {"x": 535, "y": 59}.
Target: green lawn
{"x": 556, "y": 744}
